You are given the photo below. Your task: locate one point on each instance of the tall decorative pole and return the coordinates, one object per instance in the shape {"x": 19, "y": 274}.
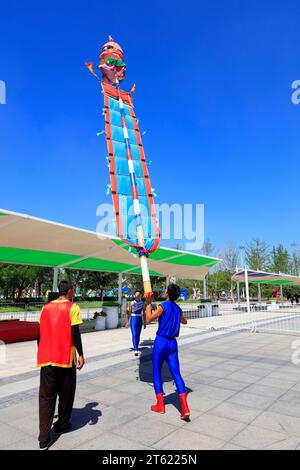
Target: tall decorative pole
{"x": 132, "y": 194}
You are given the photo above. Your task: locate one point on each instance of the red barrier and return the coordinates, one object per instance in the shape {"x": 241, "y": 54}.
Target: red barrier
{"x": 14, "y": 331}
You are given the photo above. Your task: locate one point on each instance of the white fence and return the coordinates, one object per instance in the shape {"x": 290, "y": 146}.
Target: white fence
{"x": 262, "y": 316}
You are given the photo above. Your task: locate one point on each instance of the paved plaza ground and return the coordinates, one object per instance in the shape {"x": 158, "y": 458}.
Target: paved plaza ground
{"x": 244, "y": 394}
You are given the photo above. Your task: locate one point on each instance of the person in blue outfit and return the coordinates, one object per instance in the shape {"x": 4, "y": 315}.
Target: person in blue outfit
{"x": 136, "y": 319}
{"x": 165, "y": 348}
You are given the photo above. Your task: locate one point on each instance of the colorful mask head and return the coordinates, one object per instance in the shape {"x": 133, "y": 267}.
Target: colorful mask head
{"x": 112, "y": 64}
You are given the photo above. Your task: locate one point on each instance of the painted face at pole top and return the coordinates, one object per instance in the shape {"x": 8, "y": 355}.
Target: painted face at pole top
{"x": 112, "y": 65}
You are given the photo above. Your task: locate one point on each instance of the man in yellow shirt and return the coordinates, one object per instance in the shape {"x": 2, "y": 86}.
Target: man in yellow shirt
{"x": 59, "y": 338}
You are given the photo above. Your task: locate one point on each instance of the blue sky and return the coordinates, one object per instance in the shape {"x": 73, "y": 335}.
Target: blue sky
{"x": 213, "y": 93}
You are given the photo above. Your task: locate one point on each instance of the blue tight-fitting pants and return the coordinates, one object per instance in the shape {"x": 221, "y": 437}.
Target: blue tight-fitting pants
{"x": 166, "y": 350}
{"x": 136, "y": 324}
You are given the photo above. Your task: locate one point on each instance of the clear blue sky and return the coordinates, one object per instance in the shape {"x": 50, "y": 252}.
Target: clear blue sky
{"x": 213, "y": 92}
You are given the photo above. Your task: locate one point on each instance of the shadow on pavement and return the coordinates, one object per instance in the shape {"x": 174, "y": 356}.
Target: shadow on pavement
{"x": 80, "y": 418}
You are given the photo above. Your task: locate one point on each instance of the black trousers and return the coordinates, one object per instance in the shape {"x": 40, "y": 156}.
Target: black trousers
{"x": 55, "y": 381}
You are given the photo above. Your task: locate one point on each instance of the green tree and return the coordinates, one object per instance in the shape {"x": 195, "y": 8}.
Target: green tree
{"x": 257, "y": 255}
{"x": 257, "y": 258}
{"x": 98, "y": 281}
{"x": 16, "y": 280}
{"x": 207, "y": 248}
{"x": 279, "y": 259}
{"x": 219, "y": 282}
{"x": 294, "y": 261}
{"x": 229, "y": 258}
{"x": 229, "y": 263}
{"x": 43, "y": 279}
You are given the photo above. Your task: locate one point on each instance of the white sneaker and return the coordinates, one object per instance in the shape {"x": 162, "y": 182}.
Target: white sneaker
{"x": 136, "y": 353}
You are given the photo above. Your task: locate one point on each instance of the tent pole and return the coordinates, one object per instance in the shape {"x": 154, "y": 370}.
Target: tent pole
{"x": 281, "y": 294}
{"x": 119, "y": 288}
{"x": 259, "y": 293}
{"x": 204, "y": 288}
{"x": 54, "y": 282}
{"x": 247, "y": 290}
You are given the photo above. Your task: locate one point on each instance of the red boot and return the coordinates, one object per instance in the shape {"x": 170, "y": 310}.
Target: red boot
{"x": 185, "y": 412}
{"x": 160, "y": 406}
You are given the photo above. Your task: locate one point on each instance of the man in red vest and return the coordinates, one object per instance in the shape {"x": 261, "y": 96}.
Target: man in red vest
{"x": 59, "y": 338}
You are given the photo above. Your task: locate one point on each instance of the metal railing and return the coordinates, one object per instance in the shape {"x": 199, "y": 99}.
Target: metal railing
{"x": 31, "y": 312}
{"x": 283, "y": 317}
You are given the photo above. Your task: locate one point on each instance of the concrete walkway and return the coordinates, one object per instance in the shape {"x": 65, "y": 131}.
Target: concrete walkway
{"x": 244, "y": 393}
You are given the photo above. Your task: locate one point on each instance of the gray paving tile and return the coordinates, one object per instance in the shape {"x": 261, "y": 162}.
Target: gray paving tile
{"x": 278, "y": 383}
{"x": 145, "y": 430}
{"x": 278, "y": 422}
{"x": 183, "y": 439}
{"x": 244, "y": 414}
{"x": 260, "y": 371}
{"x": 27, "y": 443}
{"x": 229, "y": 368}
{"x": 135, "y": 387}
{"x": 110, "y": 441}
{"x": 214, "y": 372}
{"x": 291, "y": 443}
{"x": 10, "y": 435}
{"x": 296, "y": 387}
{"x": 267, "y": 366}
{"x": 88, "y": 389}
{"x": 29, "y": 425}
{"x": 77, "y": 437}
{"x": 254, "y": 437}
{"x": 216, "y": 426}
{"x": 109, "y": 396}
{"x": 284, "y": 375}
{"x": 18, "y": 410}
{"x": 251, "y": 400}
{"x": 113, "y": 417}
{"x": 230, "y": 384}
{"x": 201, "y": 378}
{"x": 233, "y": 447}
{"x": 212, "y": 392}
{"x": 110, "y": 381}
{"x": 286, "y": 408}
{"x": 292, "y": 396}
{"x": 201, "y": 403}
{"x": 242, "y": 376}
{"x": 149, "y": 394}
{"x": 264, "y": 390}
{"x": 140, "y": 405}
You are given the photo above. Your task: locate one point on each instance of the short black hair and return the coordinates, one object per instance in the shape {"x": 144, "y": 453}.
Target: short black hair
{"x": 138, "y": 290}
{"x": 173, "y": 292}
{"x": 64, "y": 287}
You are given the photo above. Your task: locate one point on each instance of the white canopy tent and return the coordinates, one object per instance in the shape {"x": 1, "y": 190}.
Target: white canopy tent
{"x": 30, "y": 240}
{"x": 261, "y": 277}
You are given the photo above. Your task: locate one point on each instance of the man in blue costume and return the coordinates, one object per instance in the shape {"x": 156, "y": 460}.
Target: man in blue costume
{"x": 136, "y": 319}
{"x": 165, "y": 348}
